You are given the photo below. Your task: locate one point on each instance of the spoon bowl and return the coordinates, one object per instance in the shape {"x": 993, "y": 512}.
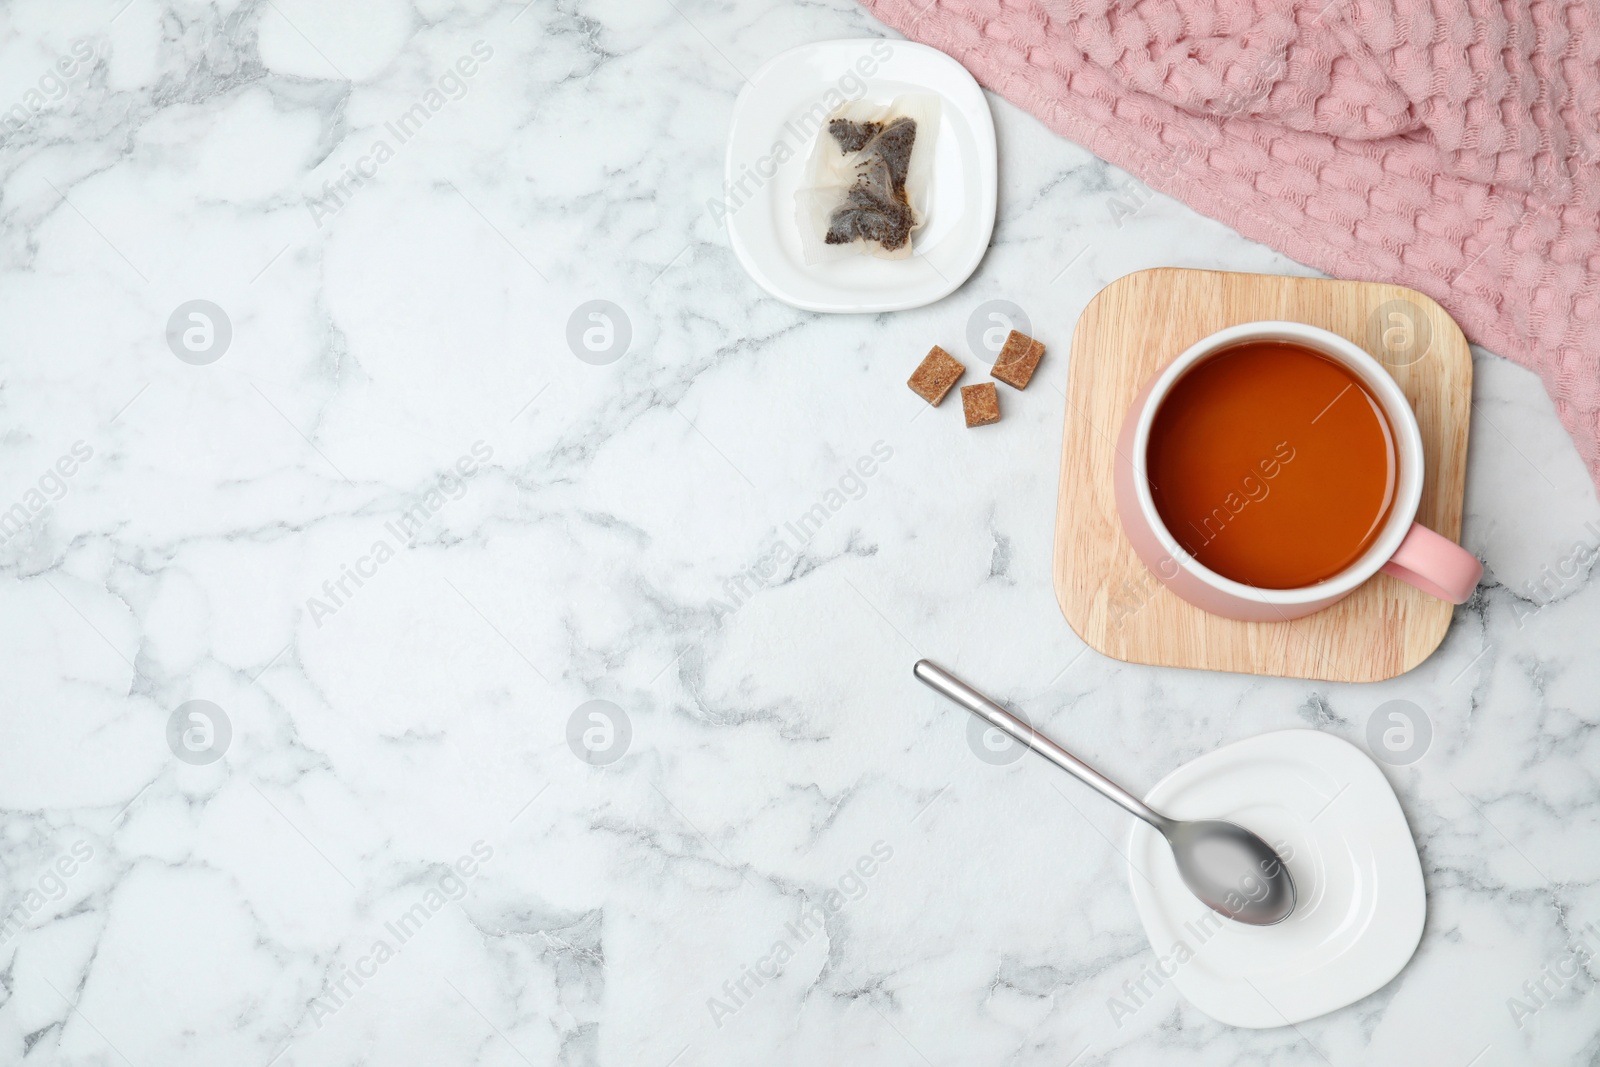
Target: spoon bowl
{"x": 1231, "y": 870}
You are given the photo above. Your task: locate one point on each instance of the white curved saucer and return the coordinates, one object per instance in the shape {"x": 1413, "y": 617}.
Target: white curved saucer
{"x": 1332, "y": 815}
{"x": 770, "y": 142}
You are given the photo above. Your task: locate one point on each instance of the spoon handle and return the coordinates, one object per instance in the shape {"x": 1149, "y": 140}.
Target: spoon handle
{"x": 942, "y": 681}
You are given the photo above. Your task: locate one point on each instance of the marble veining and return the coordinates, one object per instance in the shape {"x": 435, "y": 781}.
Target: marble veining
{"x": 402, "y": 509}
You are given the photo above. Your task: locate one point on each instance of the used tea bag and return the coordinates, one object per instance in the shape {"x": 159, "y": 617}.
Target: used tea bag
{"x": 868, "y": 178}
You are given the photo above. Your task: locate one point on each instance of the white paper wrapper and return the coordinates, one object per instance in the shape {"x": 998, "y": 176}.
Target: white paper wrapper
{"x": 849, "y": 195}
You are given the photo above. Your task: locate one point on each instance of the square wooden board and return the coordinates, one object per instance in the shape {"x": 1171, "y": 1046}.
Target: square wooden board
{"x": 1140, "y": 323}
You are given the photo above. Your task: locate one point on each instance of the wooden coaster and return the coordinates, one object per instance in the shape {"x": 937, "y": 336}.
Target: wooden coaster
{"x": 1140, "y": 323}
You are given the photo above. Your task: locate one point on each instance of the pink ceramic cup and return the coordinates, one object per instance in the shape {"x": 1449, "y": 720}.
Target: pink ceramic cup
{"x": 1405, "y": 549}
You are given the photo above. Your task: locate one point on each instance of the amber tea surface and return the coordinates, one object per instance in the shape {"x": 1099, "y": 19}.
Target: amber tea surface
{"x": 1272, "y": 465}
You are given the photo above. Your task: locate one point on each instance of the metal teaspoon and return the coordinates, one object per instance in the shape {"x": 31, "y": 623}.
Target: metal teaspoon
{"x": 1232, "y": 871}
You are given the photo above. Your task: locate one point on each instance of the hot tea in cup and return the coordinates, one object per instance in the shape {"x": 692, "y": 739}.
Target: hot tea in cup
{"x": 1272, "y": 468}
{"x": 1272, "y": 465}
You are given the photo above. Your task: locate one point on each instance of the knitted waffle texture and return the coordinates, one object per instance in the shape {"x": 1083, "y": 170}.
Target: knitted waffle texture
{"x": 1452, "y": 147}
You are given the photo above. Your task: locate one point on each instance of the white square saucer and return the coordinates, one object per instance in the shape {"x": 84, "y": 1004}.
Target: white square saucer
{"x": 1330, "y": 811}
{"x": 771, "y": 140}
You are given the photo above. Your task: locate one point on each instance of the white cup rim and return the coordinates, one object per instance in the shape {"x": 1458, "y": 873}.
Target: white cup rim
{"x": 1402, "y": 419}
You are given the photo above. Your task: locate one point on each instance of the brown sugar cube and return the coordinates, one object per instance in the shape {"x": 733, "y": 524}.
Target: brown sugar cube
{"x": 1018, "y": 359}
{"x": 980, "y": 403}
{"x": 935, "y": 375}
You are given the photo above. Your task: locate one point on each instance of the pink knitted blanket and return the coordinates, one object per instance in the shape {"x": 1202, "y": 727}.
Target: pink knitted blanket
{"x": 1452, "y": 146}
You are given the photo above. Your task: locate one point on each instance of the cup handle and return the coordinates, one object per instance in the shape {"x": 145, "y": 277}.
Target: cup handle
{"x": 1435, "y": 564}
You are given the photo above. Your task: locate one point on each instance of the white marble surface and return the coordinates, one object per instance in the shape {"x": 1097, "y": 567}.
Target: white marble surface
{"x": 222, "y": 906}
